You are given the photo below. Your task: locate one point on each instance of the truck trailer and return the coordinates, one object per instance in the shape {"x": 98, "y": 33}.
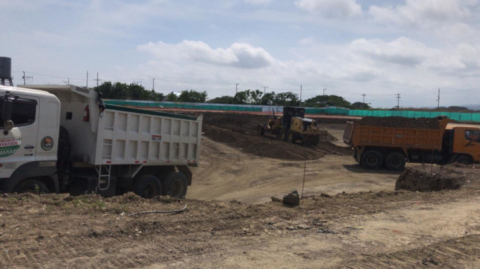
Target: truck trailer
{"x": 66, "y": 139}
{"x": 374, "y": 147}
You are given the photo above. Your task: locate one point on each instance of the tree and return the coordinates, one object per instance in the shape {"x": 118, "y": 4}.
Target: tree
{"x": 256, "y": 97}
{"x": 268, "y": 99}
{"x": 242, "y": 97}
{"x": 192, "y": 96}
{"x": 222, "y": 100}
{"x": 360, "y": 105}
{"x": 286, "y": 99}
{"x": 125, "y": 91}
{"x": 327, "y": 100}
{"x": 172, "y": 97}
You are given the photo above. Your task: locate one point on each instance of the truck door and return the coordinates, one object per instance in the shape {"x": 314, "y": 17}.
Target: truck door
{"x": 468, "y": 142}
{"x": 18, "y": 145}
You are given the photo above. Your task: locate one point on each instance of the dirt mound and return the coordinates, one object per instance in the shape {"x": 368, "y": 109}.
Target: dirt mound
{"x": 261, "y": 146}
{"x": 422, "y": 179}
{"x": 239, "y": 131}
{"x": 400, "y": 122}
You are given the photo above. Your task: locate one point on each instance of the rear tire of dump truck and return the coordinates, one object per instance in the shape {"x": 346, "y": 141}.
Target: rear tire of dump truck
{"x": 148, "y": 186}
{"x": 395, "y": 161}
{"x": 175, "y": 185}
{"x": 32, "y": 186}
{"x": 372, "y": 159}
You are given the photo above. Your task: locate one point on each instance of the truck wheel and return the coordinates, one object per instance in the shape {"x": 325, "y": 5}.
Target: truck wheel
{"x": 291, "y": 137}
{"x": 148, "y": 186}
{"x": 395, "y": 161}
{"x": 372, "y": 159}
{"x": 464, "y": 159}
{"x": 175, "y": 185}
{"x": 32, "y": 186}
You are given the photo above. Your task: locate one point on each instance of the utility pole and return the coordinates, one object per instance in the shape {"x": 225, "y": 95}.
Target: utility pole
{"x": 97, "y": 79}
{"x": 438, "y": 100}
{"x": 236, "y": 88}
{"x": 153, "y": 88}
{"x": 25, "y": 77}
{"x": 87, "y": 79}
{"x": 264, "y": 89}
{"x": 364, "y": 97}
{"x": 398, "y": 100}
{"x": 324, "y": 90}
{"x": 300, "y": 102}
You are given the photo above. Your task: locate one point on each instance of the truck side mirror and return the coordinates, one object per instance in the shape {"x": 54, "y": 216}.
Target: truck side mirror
{"x": 7, "y": 113}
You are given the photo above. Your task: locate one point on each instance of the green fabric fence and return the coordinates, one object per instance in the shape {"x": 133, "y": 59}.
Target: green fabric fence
{"x": 474, "y": 117}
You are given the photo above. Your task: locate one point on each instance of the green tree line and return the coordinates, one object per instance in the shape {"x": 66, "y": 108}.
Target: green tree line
{"x": 134, "y": 91}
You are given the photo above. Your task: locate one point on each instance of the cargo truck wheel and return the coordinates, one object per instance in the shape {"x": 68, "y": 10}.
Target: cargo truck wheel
{"x": 148, "y": 186}
{"x": 464, "y": 159}
{"x": 33, "y": 186}
{"x": 175, "y": 185}
{"x": 372, "y": 159}
{"x": 395, "y": 161}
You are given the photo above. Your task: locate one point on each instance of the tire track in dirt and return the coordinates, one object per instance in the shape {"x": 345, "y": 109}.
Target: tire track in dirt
{"x": 454, "y": 253}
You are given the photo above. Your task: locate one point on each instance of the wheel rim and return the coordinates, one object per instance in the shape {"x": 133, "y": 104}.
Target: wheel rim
{"x": 175, "y": 189}
{"x": 149, "y": 191}
{"x": 372, "y": 160}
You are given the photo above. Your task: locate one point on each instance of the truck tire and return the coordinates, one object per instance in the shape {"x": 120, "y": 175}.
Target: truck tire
{"x": 464, "y": 159}
{"x": 175, "y": 185}
{"x": 33, "y": 186}
{"x": 291, "y": 137}
{"x": 395, "y": 161}
{"x": 372, "y": 159}
{"x": 148, "y": 186}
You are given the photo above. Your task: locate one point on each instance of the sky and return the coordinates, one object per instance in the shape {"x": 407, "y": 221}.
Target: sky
{"x": 379, "y": 48}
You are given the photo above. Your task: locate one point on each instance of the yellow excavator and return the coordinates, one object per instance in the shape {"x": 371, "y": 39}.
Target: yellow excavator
{"x": 293, "y": 126}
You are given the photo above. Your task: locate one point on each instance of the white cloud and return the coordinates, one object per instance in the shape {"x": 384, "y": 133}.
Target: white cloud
{"x": 331, "y": 8}
{"x": 402, "y": 51}
{"x": 257, "y": 2}
{"x": 240, "y": 55}
{"x": 424, "y": 12}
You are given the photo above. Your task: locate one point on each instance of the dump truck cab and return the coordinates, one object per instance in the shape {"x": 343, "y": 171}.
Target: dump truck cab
{"x": 29, "y": 137}
{"x": 465, "y": 141}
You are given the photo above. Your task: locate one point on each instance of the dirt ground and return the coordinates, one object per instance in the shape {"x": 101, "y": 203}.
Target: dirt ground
{"x": 348, "y": 217}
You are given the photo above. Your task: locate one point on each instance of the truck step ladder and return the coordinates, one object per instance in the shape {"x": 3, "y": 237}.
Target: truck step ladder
{"x": 104, "y": 175}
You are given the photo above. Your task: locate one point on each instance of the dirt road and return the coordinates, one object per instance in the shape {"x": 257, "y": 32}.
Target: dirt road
{"x": 226, "y": 173}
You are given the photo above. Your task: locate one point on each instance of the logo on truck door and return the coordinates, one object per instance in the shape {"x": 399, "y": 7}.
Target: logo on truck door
{"x": 47, "y": 143}
{"x": 9, "y": 146}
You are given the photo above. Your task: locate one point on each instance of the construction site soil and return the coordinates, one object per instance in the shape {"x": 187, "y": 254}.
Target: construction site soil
{"x": 400, "y": 122}
{"x": 239, "y": 131}
{"x": 420, "y": 178}
{"x": 401, "y": 229}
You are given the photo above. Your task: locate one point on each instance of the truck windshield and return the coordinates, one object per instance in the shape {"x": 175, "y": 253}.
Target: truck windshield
{"x": 23, "y": 112}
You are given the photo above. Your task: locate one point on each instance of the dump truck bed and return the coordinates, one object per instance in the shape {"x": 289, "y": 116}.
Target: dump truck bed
{"x": 358, "y": 135}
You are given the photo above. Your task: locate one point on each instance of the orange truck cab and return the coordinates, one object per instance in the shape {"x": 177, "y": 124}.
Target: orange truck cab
{"x": 374, "y": 147}
{"x": 465, "y": 140}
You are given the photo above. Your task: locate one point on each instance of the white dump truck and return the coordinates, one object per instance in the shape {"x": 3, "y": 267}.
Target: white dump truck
{"x": 65, "y": 139}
